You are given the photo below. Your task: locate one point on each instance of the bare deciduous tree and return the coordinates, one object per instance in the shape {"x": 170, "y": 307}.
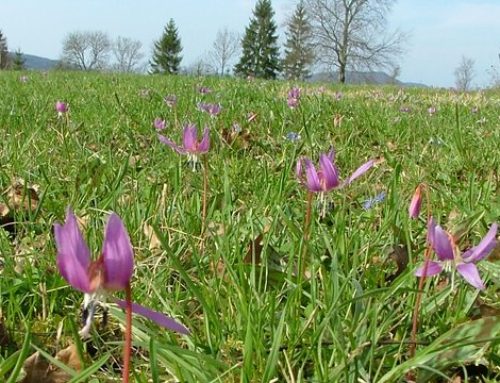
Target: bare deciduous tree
{"x": 86, "y": 50}
{"x": 352, "y": 34}
{"x": 127, "y": 53}
{"x": 225, "y": 47}
{"x": 464, "y": 73}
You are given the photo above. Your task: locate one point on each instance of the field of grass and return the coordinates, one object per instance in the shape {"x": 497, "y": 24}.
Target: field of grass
{"x": 234, "y": 280}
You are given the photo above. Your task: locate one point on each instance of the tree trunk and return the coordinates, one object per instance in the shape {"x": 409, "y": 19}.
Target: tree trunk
{"x": 342, "y": 73}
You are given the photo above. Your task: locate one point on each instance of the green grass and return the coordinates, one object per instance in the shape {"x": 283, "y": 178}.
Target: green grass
{"x": 252, "y": 320}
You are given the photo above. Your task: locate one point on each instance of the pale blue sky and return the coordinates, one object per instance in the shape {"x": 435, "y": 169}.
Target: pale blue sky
{"x": 441, "y": 30}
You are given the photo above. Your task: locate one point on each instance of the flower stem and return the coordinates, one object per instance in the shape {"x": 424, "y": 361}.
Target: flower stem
{"x": 127, "y": 350}
{"x": 204, "y": 204}
{"x": 418, "y": 301}
{"x": 307, "y": 227}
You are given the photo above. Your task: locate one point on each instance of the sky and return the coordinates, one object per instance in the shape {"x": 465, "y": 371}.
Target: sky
{"x": 441, "y": 31}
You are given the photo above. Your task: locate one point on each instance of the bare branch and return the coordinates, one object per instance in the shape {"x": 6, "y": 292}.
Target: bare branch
{"x": 352, "y": 34}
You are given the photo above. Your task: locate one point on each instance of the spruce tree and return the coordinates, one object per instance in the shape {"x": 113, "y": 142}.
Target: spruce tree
{"x": 166, "y": 55}
{"x": 4, "y": 52}
{"x": 260, "y": 52}
{"x": 18, "y": 61}
{"x": 299, "y": 51}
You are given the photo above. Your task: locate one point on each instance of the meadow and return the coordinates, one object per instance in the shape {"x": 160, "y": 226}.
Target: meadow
{"x": 274, "y": 282}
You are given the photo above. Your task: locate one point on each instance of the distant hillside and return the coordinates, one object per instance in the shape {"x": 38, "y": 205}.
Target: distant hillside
{"x": 37, "y": 62}
{"x": 355, "y": 77}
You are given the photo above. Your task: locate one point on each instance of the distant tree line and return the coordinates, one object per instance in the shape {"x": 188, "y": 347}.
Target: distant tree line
{"x": 337, "y": 34}
{"x": 95, "y": 50}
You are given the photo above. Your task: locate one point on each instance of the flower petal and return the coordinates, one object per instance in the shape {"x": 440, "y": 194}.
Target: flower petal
{"x": 204, "y": 145}
{"x": 117, "y": 253}
{"x": 173, "y": 145}
{"x": 161, "y": 319}
{"x": 312, "y": 179}
{"x": 471, "y": 274}
{"x": 484, "y": 247}
{"x": 298, "y": 169}
{"x": 433, "y": 268}
{"x": 329, "y": 176}
{"x": 442, "y": 244}
{"x": 73, "y": 255}
{"x": 416, "y": 203}
{"x": 359, "y": 171}
{"x": 431, "y": 226}
{"x": 190, "y": 138}
{"x": 331, "y": 154}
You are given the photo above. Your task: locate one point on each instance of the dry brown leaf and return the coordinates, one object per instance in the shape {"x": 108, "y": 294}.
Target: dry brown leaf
{"x": 254, "y": 250}
{"x": 22, "y": 197}
{"x": 337, "y": 120}
{"x": 38, "y": 370}
{"x": 69, "y": 356}
{"x": 154, "y": 242}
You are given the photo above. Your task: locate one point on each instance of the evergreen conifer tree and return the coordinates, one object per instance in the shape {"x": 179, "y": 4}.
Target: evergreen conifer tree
{"x": 166, "y": 55}
{"x": 299, "y": 51}
{"x": 18, "y": 61}
{"x": 4, "y": 52}
{"x": 260, "y": 52}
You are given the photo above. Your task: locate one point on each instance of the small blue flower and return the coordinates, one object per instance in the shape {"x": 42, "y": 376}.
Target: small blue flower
{"x": 370, "y": 202}
{"x": 293, "y": 137}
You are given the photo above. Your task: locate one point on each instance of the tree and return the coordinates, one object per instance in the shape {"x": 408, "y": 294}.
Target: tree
{"x": 127, "y": 54}
{"x": 260, "y": 56}
{"x": 299, "y": 52}
{"x": 18, "y": 61}
{"x": 86, "y": 50}
{"x": 464, "y": 73}
{"x": 224, "y": 48}
{"x": 352, "y": 34}
{"x": 166, "y": 55}
{"x": 4, "y": 52}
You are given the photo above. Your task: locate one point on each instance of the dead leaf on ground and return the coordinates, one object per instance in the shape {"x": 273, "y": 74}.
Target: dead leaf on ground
{"x": 38, "y": 370}
{"x": 399, "y": 255}
{"x": 19, "y": 197}
{"x": 154, "y": 242}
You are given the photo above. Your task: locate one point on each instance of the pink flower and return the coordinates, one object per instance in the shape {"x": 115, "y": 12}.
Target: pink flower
{"x": 61, "y": 108}
{"x": 416, "y": 203}
{"x": 190, "y": 143}
{"x": 159, "y": 124}
{"x": 447, "y": 252}
{"x": 326, "y": 177}
{"x": 112, "y": 271}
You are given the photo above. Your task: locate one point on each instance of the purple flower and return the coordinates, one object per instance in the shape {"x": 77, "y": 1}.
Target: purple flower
{"x": 61, "y": 108}
{"x": 431, "y": 110}
{"x": 405, "y": 109}
{"x": 170, "y": 100}
{"x": 293, "y": 97}
{"x": 447, "y": 252}
{"x": 212, "y": 109}
{"x": 416, "y": 203}
{"x": 204, "y": 90}
{"x": 159, "y": 124}
{"x": 24, "y": 79}
{"x": 327, "y": 176}
{"x": 112, "y": 271}
{"x": 190, "y": 143}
